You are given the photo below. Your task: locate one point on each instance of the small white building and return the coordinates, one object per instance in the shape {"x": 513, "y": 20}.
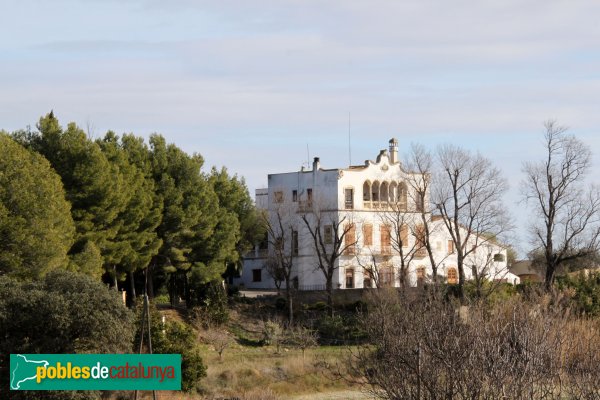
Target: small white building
{"x": 366, "y": 199}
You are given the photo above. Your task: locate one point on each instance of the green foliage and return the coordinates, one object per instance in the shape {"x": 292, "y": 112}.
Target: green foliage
{"x": 36, "y": 229}
{"x": 339, "y": 329}
{"x": 65, "y": 312}
{"x": 135, "y": 205}
{"x": 214, "y": 310}
{"x": 175, "y": 337}
{"x": 234, "y": 198}
{"x": 583, "y": 292}
{"x": 135, "y": 241}
{"x": 94, "y": 187}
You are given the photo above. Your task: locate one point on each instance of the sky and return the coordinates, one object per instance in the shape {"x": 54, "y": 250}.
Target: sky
{"x": 251, "y": 85}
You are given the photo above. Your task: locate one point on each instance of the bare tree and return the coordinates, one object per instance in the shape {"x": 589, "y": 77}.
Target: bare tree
{"x": 515, "y": 349}
{"x": 371, "y": 264}
{"x": 400, "y": 226}
{"x": 487, "y": 277}
{"x": 219, "y": 340}
{"x": 273, "y": 333}
{"x": 468, "y": 194}
{"x": 339, "y": 239}
{"x": 567, "y": 212}
{"x": 303, "y": 338}
{"x": 420, "y": 164}
{"x": 282, "y": 233}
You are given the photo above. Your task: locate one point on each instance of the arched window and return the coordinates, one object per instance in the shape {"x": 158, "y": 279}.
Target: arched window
{"x": 402, "y": 196}
{"x": 367, "y": 194}
{"x": 383, "y": 191}
{"x": 452, "y": 276}
{"x": 367, "y": 191}
{"x": 393, "y": 192}
{"x": 375, "y": 191}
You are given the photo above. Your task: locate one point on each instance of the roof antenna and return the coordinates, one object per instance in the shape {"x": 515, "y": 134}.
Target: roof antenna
{"x": 349, "y": 148}
{"x": 307, "y": 156}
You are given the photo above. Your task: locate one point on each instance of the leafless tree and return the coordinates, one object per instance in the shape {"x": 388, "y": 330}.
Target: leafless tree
{"x": 566, "y": 208}
{"x": 421, "y": 167}
{"x": 487, "y": 277}
{"x": 424, "y": 348}
{"x": 219, "y": 340}
{"x": 468, "y": 194}
{"x": 339, "y": 239}
{"x": 282, "y": 231}
{"x": 303, "y": 338}
{"x": 406, "y": 238}
{"x": 371, "y": 263}
{"x": 273, "y": 333}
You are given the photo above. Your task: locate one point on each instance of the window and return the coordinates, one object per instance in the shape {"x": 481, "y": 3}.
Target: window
{"x": 349, "y": 278}
{"x": 452, "y": 276}
{"x": 420, "y": 236}
{"x": 278, "y": 195}
{"x": 295, "y": 243}
{"x": 402, "y": 193}
{"x": 368, "y": 234}
{"x": 404, "y": 235}
{"x": 499, "y": 257}
{"x": 419, "y": 202}
{"x": 386, "y": 276}
{"x": 294, "y": 196}
{"x": 438, "y": 246}
{"x": 257, "y": 275}
{"x": 383, "y": 191}
{"x": 385, "y": 239}
{"x": 309, "y": 196}
{"x": 366, "y": 191}
{"x": 328, "y": 234}
{"x": 450, "y": 247}
{"x": 350, "y": 239}
{"x": 420, "y": 276}
{"x": 375, "y": 191}
{"x": 349, "y": 198}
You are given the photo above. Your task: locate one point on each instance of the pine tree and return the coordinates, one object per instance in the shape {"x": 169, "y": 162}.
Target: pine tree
{"x": 36, "y": 228}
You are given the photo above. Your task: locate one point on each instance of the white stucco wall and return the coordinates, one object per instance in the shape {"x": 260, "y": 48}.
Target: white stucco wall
{"x": 328, "y": 203}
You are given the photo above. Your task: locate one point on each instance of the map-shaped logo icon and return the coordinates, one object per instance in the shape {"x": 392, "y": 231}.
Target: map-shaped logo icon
{"x": 24, "y": 370}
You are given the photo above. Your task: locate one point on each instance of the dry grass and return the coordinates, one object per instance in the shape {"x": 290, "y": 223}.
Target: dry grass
{"x": 244, "y": 369}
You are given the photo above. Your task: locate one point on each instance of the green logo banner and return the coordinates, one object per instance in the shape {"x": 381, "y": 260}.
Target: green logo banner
{"x": 95, "y": 372}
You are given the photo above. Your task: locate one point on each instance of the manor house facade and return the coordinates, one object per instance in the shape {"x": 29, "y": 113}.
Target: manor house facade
{"x": 363, "y": 201}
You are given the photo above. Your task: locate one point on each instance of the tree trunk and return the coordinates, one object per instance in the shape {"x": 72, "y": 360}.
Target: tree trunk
{"x": 150, "y": 287}
{"x": 132, "y": 289}
{"x": 115, "y": 282}
{"x": 288, "y": 293}
{"x": 329, "y": 289}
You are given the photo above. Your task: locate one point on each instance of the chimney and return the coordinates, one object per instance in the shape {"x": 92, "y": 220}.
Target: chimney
{"x": 316, "y": 164}
{"x": 393, "y": 151}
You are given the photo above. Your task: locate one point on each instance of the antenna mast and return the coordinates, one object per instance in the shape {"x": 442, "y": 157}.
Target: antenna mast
{"x": 307, "y": 157}
{"x": 349, "y": 147}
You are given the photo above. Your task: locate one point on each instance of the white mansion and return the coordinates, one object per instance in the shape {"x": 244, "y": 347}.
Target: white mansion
{"x": 361, "y": 201}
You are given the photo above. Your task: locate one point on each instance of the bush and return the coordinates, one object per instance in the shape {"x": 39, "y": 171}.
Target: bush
{"x": 583, "y": 292}
{"x": 281, "y": 304}
{"x": 175, "y": 337}
{"x": 339, "y": 329}
{"x": 65, "y": 312}
{"x": 514, "y": 349}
